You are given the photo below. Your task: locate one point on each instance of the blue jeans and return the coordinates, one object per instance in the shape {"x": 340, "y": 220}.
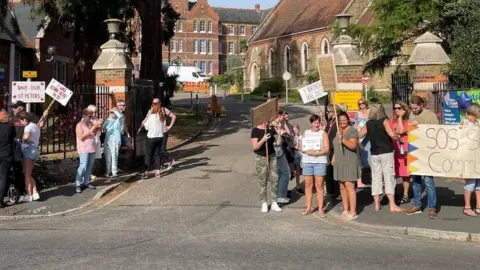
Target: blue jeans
{"x": 417, "y": 191}
{"x": 85, "y": 169}
{"x": 283, "y": 176}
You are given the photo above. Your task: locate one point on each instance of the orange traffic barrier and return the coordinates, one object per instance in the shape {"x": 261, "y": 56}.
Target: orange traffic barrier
{"x": 201, "y": 87}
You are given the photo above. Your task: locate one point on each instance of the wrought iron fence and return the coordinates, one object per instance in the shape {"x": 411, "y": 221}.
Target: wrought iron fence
{"x": 401, "y": 87}
{"x": 449, "y": 100}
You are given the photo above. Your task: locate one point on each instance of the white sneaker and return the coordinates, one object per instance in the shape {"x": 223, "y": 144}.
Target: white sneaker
{"x": 275, "y": 207}
{"x": 36, "y": 196}
{"x": 25, "y": 198}
{"x": 264, "y": 207}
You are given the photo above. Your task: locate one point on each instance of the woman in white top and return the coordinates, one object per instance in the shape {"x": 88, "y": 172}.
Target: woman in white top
{"x": 154, "y": 124}
{"x": 30, "y": 141}
{"x": 315, "y": 148}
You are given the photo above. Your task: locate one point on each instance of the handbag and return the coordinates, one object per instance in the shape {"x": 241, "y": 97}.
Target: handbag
{"x": 17, "y": 151}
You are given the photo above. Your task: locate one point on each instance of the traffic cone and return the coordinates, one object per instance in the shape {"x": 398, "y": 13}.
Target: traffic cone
{"x": 209, "y": 109}
{"x": 223, "y": 113}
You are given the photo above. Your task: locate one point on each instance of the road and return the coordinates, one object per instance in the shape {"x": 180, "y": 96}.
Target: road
{"x": 206, "y": 215}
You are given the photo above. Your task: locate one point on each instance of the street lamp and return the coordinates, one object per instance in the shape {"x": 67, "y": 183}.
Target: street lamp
{"x": 113, "y": 26}
{"x": 51, "y": 51}
{"x": 343, "y": 21}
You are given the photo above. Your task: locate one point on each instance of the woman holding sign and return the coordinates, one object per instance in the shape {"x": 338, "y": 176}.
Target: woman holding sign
{"x": 314, "y": 147}
{"x": 346, "y": 169}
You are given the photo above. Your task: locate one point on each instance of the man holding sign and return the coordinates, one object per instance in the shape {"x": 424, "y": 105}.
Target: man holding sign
{"x": 421, "y": 115}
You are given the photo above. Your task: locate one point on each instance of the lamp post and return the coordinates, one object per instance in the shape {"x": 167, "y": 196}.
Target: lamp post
{"x": 343, "y": 22}
{"x": 113, "y": 26}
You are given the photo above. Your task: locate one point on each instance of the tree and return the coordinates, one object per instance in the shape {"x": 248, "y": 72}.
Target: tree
{"x": 400, "y": 21}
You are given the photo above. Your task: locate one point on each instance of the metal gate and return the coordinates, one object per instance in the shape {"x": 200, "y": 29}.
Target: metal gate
{"x": 401, "y": 87}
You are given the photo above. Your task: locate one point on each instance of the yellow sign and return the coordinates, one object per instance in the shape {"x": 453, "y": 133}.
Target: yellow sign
{"x": 264, "y": 113}
{"x": 29, "y": 74}
{"x": 348, "y": 98}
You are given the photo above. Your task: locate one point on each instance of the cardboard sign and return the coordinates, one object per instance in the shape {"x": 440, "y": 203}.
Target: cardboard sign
{"x": 328, "y": 73}
{"x": 264, "y": 113}
{"x": 348, "y": 98}
{"x": 59, "y": 92}
{"x": 444, "y": 150}
{"x": 28, "y": 92}
{"x": 312, "y": 92}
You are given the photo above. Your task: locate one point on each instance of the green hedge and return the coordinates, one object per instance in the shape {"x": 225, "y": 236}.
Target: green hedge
{"x": 274, "y": 86}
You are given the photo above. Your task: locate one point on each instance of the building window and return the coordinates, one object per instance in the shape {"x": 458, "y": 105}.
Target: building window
{"x": 325, "y": 47}
{"x": 220, "y": 47}
{"x": 270, "y": 63}
{"x": 254, "y": 29}
{"x": 210, "y": 27}
{"x": 231, "y": 48}
{"x": 231, "y": 30}
{"x": 180, "y": 26}
{"x": 203, "y": 49}
{"x": 286, "y": 59}
{"x": 242, "y": 30}
{"x": 220, "y": 29}
{"x": 210, "y": 47}
{"x": 195, "y": 46}
{"x": 203, "y": 66}
{"x": 180, "y": 46}
{"x": 173, "y": 45}
{"x": 210, "y": 67}
{"x": 304, "y": 58}
{"x": 195, "y": 26}
{"x": 175, "y": 27}
{"x": 195, "y": 63}
{"x": 202, "y": 26}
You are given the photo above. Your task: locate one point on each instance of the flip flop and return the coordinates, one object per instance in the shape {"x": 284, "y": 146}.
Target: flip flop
{"x": 307, "y": 212}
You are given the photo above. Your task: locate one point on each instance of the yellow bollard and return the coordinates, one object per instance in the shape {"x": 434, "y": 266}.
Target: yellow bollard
{"x": 223, "y": 113}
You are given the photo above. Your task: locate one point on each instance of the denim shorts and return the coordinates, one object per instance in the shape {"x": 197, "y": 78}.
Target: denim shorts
{"x": 315, "y": 169}
{"x": 124, "y": 139}
{"x": 472, "y": 184}
{"x": 30, "y": 152}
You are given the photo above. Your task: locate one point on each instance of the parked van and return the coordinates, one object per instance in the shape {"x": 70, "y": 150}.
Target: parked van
{"x": 188, "y": 74}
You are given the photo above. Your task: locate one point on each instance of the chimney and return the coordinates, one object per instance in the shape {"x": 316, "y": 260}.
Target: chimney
{"x": 257, "y": 7}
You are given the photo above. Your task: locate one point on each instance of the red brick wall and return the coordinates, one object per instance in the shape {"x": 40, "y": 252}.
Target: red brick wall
{"x": 349, "y": 74}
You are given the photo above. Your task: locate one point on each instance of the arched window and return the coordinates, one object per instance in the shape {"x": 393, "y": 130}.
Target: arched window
{"x": 325, "y": 47}
{"x": 286, "y": 59}
{"x": 304, "y": 58}
{"x": 270, "y": 63}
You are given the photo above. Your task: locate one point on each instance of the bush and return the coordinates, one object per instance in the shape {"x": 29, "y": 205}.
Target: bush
{"x": 274, "y": 86}
{"x": 379, "y": 97}
{"x": 313, "y": 76}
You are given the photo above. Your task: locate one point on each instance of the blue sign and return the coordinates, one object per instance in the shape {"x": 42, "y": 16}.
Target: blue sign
{"x": 451, "y": 110}
{"x": 2, "y": 75}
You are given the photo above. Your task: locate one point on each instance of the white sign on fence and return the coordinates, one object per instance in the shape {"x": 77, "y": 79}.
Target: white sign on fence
{"x": 444, "y": 150}
{"x": 312, "y": 92}
{"x": 28, "y": 92}
{"x": 59, "y": 92}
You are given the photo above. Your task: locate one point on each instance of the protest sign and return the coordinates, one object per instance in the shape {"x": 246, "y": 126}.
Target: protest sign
{"x": 311, "y": 143}
{"x": 264, "y": 113}
{"x": 28, "y": 92}
{"x": 328, "y": 73}
{"x": 312, "y": 92}
{"x": 454, "y": 104}
{"x": 58, "y": 92}
{"x": 349, "y": 98}
{"x": 444, "y": 150}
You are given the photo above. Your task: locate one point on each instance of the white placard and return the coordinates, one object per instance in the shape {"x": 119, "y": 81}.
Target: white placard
{"x": 312, "y": 92}
{"x": 311, "y": 144}
{"x": 59, "y": 92}
{"x": 28, "y": 92}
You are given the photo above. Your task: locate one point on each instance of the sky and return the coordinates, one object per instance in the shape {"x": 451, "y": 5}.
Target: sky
{"x": 243, "y": 3}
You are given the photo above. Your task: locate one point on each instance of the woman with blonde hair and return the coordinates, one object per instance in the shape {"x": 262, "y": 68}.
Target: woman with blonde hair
{"x": 399, "y": 124}
{"x": 361, "y": 118}
{"x": 155, "y": 126}
{"x": 30, "y": 141}
{"x": 381, "y": 134}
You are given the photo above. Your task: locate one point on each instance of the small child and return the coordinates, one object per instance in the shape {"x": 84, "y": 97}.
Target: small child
{"x": 297, "y": 138}
{"x": 113, "y": 132}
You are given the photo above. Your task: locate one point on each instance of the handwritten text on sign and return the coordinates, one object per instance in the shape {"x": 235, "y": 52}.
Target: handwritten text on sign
{"x": 28, "y": 92}
{"x": 264, "y": 113}
{"x": 312, "y": 92}
{"x": 59, "y": 92}
{"x": 443, "y": 150}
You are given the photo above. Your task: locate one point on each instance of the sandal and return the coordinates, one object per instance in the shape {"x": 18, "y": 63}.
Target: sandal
{"x": 157, "y": 174}
{"x": 477, "y": 211}
{"x": 345, "y": 215}
{"x": 469, "y": 212}
{"x": 307, "y": 212}
{"x": 321, "y": 214}
{"x": 405, "y": 200}
{"x": 378, "y": 208}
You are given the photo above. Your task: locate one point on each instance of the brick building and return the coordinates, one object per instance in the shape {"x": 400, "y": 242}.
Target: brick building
{"x": 211, "y": 37}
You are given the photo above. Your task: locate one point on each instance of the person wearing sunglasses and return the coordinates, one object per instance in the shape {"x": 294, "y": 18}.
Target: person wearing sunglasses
{"x": 361, "y": 118}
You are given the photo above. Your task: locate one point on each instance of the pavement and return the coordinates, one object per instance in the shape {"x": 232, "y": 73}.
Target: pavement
{"x": 205, "y": 214}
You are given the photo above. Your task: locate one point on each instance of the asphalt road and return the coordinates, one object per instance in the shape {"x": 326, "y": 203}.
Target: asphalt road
{"x": 206, "y": 215}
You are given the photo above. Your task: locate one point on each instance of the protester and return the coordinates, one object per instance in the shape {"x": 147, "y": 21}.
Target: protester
{"x": 86, "y": 132}
{"x": 266, "y": 170}
{"x": 421, "y": 115}
{"x": 155, "y": 127}
{"x": 7, "y": 137}
{"x": 113, "y": 130}
{"x": 471, "y": 185}
{"x": 289, "y": 146}
{"x": 361, "y": 118}
{"x": 166, "y": 161}
{"x": 121, "y": 107}
{"x": 30, "y": 141}
{"x": 98, "y": 143}
{"x": 332, "y": 188}
{"x": 399, "y": 123}
{"x": 298, "y": 158}
{"x": 284, "y": 173}
{"x": 314, "y": 164}
{"x": 381, "y": 135}
{"x": 346, "y": 165}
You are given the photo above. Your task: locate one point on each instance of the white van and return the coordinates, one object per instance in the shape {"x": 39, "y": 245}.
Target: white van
{"x": 188, "y": 74}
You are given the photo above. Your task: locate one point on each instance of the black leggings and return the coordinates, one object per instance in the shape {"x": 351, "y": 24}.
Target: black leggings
{"x": 153, "y": 153}
{"x": 165, "y": 156}
{"x": 4, "y": 170}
